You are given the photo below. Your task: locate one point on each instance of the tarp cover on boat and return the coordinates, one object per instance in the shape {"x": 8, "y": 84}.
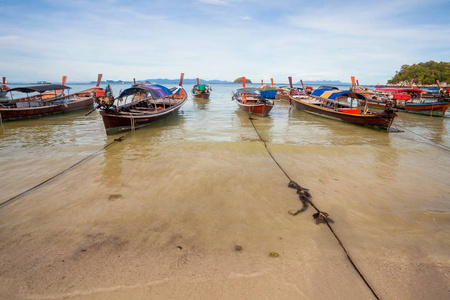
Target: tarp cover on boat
{"x": 166, "y": 90}
{"x": 268, "y": 94}
{"x": 249, "y": 90}
{"x": 156, "y": 91}
{"x": 177, "y": 91}
{"x": 399, "y": 90}
{"x": 333, "y": 94}
{"x": 267, "y": 88}
{"x": 328, "y": 87}
{"x": 39, "y": 88}
{"x": 201, "y": 87}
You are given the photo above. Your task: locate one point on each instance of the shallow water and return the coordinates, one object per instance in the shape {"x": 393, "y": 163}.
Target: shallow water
{"x": 202, "y": 180}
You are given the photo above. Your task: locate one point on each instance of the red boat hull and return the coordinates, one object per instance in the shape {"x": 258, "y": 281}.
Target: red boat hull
{"x": 258, "y": 109}
{"x": 202, "y": 95}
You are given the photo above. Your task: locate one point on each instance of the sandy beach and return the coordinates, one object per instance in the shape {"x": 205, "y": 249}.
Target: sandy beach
{"x": 192, "y": 208}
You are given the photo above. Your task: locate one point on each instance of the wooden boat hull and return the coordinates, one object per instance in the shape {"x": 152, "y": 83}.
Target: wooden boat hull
{"x": 258, "y": 109}
{"x": 282, "y": 96}
{"x": 10, "y": 114}
{"x": 436, "y": 109}
{"x": 383, "y": 120}
{"x": 250, "y": 100}
{"x": 202, "y": 95}
{"x": 116, "y": 121}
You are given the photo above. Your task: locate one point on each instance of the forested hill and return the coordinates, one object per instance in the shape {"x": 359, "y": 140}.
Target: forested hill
{"x": 239, "y": 80}
{"x": 423, "y": 73}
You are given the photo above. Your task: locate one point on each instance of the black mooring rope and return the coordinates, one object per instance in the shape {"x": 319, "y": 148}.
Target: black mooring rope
{"x": 433, "y": 143}
{"x": 61, "y": 173}
{"x": 305, "y": 197}
{"x": 268, "y": 151}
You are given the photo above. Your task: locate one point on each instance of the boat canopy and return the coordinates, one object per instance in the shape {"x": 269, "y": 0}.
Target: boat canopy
{"x": 157, "y": 91}
{"x": 156, "y": 86}
{"x": 39, "y": 88}
{"x": 268, "y": 94}
{"x": 399, "y": 90}
{"x": 333, "y": 94}
{"x": 267, "y": 88}
{"x": 328, "y": 87}
{"x": 200, "y": 87}
{"x": 249, "y": 90}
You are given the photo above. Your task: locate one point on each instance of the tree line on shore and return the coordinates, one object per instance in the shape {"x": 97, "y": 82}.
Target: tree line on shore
{"x": 425, "y": 73}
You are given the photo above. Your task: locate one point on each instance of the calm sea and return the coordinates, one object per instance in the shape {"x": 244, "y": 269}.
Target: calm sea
{"x": 203, "y": 180}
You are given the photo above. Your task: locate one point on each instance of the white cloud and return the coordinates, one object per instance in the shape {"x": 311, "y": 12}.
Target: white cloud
{"x": 214, "y": 2}
{"x": 155, "y": 40}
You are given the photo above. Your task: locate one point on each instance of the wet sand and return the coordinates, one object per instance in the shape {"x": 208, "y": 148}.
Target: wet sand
{"x": 159, "y": 215}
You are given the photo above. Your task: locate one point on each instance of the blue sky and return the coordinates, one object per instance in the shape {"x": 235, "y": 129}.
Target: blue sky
{"x": 220, "y": 39}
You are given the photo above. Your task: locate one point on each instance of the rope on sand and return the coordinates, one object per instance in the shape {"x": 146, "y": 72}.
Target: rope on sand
{"x": 319, "y": 216}
{"x": 62, "y": 172}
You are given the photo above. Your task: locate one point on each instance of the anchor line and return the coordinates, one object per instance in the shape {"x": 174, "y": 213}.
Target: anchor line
{"x": 10, "y": 200}
{"x": 319, "y": 216}
{"x": 433, "y": 143}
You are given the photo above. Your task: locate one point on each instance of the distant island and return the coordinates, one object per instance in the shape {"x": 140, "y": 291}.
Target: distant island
{"x": 239, "y": 80}
{"x": 425, "y": 73}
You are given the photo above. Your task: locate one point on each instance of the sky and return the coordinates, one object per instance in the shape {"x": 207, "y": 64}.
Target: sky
{"x": 220, "y": 39}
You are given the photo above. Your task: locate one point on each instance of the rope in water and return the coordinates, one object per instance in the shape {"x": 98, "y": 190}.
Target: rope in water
{"x": 62, "y": 172}
{"x": 305, "y": 198}
{"x": 433, "y": 143}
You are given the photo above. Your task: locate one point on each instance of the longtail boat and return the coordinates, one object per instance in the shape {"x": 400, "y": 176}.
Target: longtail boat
{"x": 51, "y": 94}
{"x": 3, "y": 89}
{"x": 46, "y": 99}
{"x": 283, "y": 93}
{"x": 307, "y": 89}
{"x": 201, "y": 90}
{"x": 253, "y": 100}
{"x": 409, "y": 100}
{"x": 271, "y": 91}
{"x": 440, "y": 93}
{"x": 369, "y": 94}
{"x": 140, "y": 106}
{"x": 297, "y": 92}
{"x": 333, "y": 104}
{"x": 414, "y": 93}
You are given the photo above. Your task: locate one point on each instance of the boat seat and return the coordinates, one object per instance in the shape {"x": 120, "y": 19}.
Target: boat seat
{"x": 354, "y": 111}
{"x": 141, "y": 111}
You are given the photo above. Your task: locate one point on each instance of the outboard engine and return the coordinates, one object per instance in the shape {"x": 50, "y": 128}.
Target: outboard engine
{"x": 104, "y": 97}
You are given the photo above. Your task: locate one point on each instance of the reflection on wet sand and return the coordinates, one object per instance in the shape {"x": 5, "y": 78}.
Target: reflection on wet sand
{"x": 46, "y": 131}
{"x": 201, "y": 103}
{"x": 247, "y": 131}
{"x": 34, "y": 150}
{"x": 163, "y": 213}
